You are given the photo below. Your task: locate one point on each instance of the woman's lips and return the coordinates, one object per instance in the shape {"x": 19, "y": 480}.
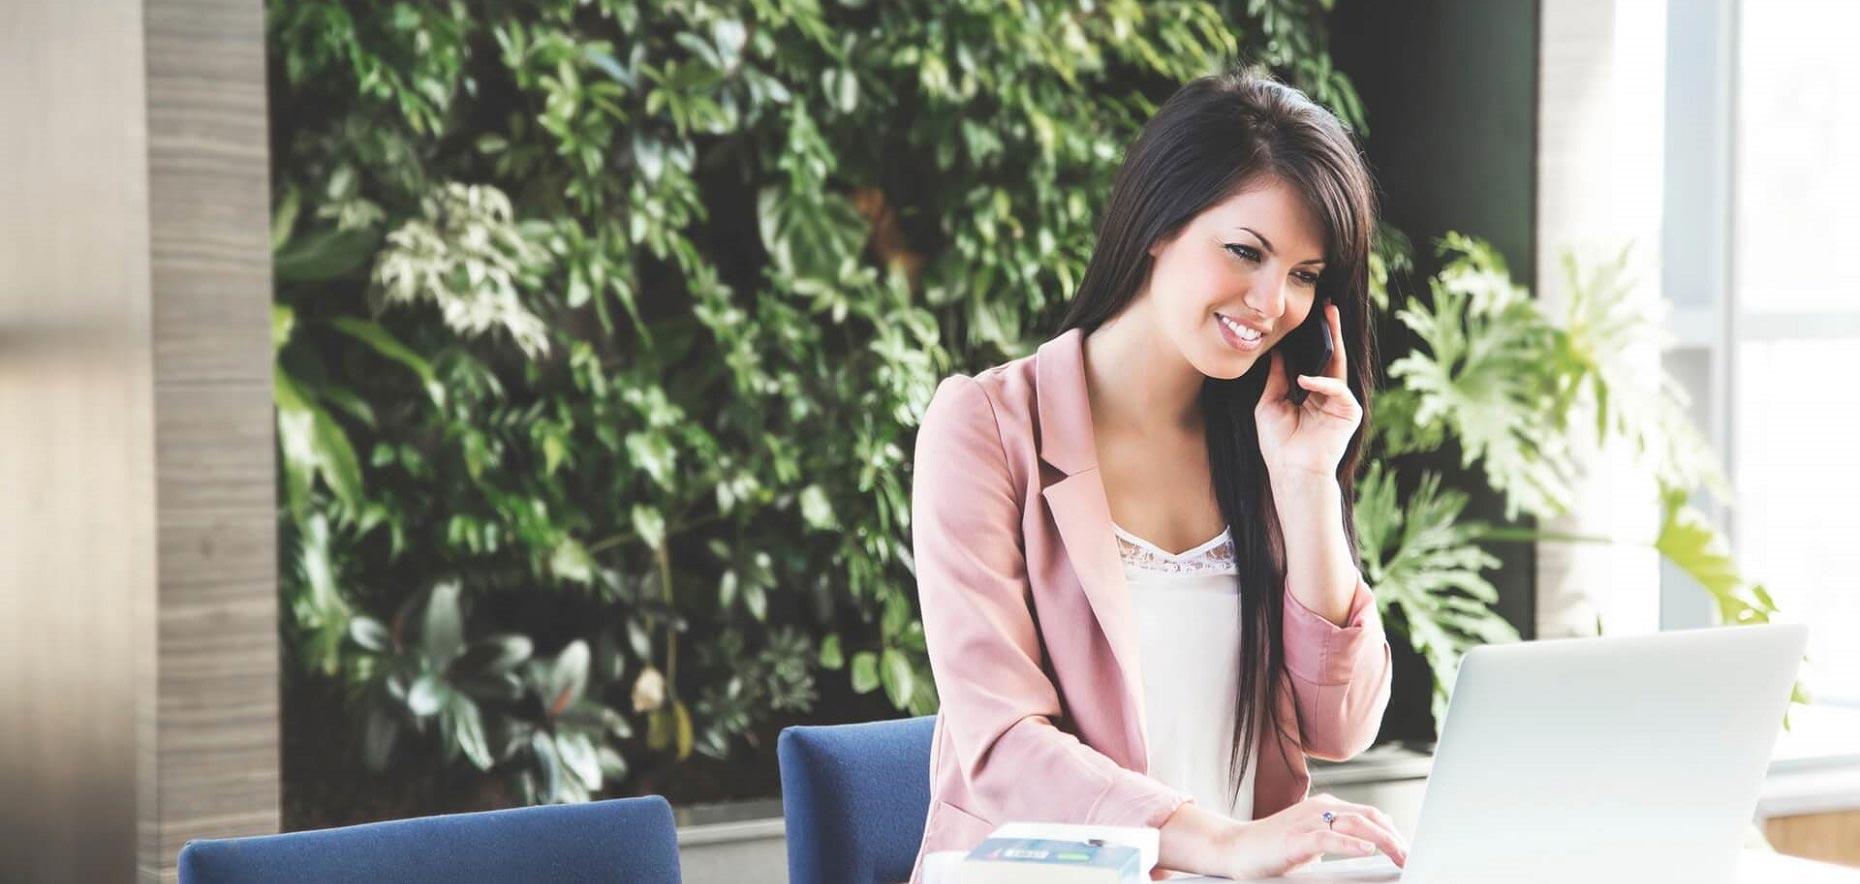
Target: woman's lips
{"x": 1239, "y": 336}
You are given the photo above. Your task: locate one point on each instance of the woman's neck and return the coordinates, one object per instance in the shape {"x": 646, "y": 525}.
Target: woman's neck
{"x": 1138, "y": 382}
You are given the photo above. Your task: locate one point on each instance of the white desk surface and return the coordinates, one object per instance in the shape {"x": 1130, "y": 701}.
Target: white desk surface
{"x": 1755, "y": 867}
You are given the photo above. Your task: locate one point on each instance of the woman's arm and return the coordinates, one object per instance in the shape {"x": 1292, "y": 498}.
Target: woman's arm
{"x": 1319, "y": 569}
{"x": 1335, "y": 647}
{"x": 998, "y": 705}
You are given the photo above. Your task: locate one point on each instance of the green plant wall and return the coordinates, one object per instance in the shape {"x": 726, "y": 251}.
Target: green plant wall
{"x": 602, "y": 328}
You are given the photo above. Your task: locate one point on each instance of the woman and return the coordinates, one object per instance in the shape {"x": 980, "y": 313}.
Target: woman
{"x": 1087, "y": 673}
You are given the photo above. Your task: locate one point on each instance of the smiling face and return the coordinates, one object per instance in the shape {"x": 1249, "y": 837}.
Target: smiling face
{"x": 1237, "y": 278}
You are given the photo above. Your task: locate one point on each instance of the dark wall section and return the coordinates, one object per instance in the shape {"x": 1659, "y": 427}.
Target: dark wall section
{"x": 1450, "y": 88}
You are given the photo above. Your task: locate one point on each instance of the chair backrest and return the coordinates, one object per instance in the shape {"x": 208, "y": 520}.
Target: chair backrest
{"x": 854, "y": 797}
{"x": 620, "y": 840}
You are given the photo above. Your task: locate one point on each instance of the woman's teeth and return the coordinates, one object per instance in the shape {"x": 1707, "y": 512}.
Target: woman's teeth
{"x": 1245, "y": 333}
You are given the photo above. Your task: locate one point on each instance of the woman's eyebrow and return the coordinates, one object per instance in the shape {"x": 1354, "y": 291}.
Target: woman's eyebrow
{"x": 1268, "y": 244}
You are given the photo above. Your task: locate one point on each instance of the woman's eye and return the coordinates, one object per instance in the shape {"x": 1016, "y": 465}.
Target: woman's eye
{"x": 1249, "y": 253}
{"x": 1243, "y": 251}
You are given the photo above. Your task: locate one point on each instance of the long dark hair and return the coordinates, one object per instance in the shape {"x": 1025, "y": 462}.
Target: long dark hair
{"x": 1218, "y": 136}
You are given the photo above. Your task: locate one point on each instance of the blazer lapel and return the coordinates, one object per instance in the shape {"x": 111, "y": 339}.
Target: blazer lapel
{"x": 1082, "y": 512}
{"x": 1083, "y": 515}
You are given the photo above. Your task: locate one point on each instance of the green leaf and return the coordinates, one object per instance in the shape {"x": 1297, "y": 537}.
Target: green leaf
{"x": 661, "y": 729}
{"x": 815, "y": 509}
{"x": 312, "y": 444}
{"x": 284, "y": 217}
{"x": 757, "y": 600}
{"x": 613, "y": 764}
{"x": 650, "y": 525}
{"x": 283, "y": 321}
{"x": 571, "y": 562}
{"x": 681, "y": 718}
{"x": 468, "y": 731}
{"x": 384, "y": 343}
{"x": 443, "y": 633}
{"x": 577, "y": 754}
{"x": 335, "y": 458}
{"x": 864, "y": 672}
{"x": 548, "y": 766}
{"x": 495, "y": 655}
{"x": 426, "y": 696}
{"x": 568, "y": 677}
{"x": 1488, "y": 372}
{"x": 897, "y": 677}
{"x": 654, "y": 454}
{"x": 555, "y": 453}
{"x": 1423, "y": 558}
{"x": 371, "y": 634}
{"x": 324, "y": 254}
{"x": 830, "y": 656}
{"x": 726, "y": 588}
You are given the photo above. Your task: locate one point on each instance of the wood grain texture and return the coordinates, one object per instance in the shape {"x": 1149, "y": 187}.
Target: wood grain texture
{"x": 216, "y": 727}
{"x": 1828, "y": 837}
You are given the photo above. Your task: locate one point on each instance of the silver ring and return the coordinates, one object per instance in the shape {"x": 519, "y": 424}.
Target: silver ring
{"x": 1330, "y": 819}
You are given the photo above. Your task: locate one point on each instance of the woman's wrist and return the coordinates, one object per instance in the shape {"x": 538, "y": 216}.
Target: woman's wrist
{"x": 1197, "y": 840}
{"x": 1303, "y": 488}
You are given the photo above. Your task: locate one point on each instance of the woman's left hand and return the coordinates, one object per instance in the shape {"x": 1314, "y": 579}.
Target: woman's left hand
{"x": 1307, "y": 439}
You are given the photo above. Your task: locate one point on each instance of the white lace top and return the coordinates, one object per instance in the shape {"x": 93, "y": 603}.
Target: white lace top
{"x": 1187, "y": 608}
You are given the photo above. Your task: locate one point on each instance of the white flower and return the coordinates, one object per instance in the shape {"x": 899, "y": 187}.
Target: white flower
{"x": 648, "y": 690}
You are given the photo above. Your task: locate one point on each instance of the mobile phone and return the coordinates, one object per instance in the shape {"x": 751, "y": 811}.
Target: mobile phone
{"x": 1307, "y": 351}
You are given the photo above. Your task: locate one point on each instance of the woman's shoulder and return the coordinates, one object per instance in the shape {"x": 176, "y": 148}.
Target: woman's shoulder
{"x": 991, "y": 413}
{"x": 1001, "y": 394}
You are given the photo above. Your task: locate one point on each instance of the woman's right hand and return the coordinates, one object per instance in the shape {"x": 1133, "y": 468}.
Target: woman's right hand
{"x": 1298, "y": 835}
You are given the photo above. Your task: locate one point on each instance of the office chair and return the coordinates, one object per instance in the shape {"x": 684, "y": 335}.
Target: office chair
{"x": 631, "y": 840}
{"x": 854, "y": 798}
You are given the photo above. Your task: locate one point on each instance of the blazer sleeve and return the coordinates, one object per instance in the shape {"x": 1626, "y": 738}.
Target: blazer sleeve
{"x": 998, "y": 705}
{"x": 1340, "y": 674}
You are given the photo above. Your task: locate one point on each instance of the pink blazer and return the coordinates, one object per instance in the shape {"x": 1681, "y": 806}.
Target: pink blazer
{"x": 1030, "y": 630}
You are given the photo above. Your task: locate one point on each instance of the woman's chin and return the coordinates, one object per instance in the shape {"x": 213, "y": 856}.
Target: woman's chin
{"x": 1226, "y": 365}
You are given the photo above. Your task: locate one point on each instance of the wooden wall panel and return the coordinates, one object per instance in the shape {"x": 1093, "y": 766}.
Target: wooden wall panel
{"x": 1830, "y": 837}
{"x": 217, "y": 726}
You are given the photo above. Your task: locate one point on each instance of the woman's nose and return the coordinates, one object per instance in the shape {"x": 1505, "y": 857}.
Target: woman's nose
{"x": 1267, "y": 296}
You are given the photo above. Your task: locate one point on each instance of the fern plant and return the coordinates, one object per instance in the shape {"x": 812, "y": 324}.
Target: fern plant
{"x": 1507, "y": 379}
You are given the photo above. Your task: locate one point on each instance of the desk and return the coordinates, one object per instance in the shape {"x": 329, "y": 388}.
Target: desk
{"x": 1755, "y": 867}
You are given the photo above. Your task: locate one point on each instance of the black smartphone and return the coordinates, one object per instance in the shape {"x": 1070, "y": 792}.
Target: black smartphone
{"x": 1307, "y": 351}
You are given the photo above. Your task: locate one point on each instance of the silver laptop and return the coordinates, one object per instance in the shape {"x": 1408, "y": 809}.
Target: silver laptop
{"x": 1599, "y": 759}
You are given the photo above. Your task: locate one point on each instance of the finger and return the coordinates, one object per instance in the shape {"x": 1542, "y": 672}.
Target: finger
{"x": 1382, "y": 819}
{"x": 1337, "y": 359}
{"x": 1318, "y": 842}
{"x": 1331, "y": 802}
{"x": 1325, "y": 384}
{"x": 1276, "y": 386}
{"x": 1339, "y": 806}
{"x": 1338, "y": 399}
{"x": 1362, "y": 826}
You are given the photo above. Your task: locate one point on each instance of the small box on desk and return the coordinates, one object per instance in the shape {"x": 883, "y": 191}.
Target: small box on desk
{"x": 1048, "y": 861}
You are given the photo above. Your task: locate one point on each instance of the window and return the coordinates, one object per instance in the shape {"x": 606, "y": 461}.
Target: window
{"x": 1794, "y": 336}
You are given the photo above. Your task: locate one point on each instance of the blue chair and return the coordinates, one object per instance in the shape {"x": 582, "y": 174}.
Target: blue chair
{"x": 621, "y": 840}
{"x": 854, "y": 797}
